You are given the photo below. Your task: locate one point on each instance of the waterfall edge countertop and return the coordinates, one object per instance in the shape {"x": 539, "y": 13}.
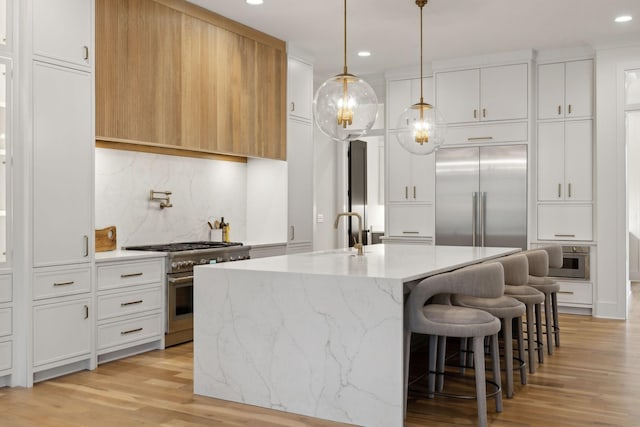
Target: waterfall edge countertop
{"x": 319, "y": 333}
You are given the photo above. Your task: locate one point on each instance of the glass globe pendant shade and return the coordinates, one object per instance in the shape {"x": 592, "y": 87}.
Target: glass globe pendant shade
{"x": 421, "y": 129}
{"x": 345, "y": 107}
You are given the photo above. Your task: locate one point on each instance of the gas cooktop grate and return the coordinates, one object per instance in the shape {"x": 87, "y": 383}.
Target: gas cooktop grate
{"x": 183, "y": 246}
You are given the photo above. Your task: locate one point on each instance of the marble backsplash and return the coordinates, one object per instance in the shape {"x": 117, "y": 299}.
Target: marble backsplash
{"x": 201, "y": 189}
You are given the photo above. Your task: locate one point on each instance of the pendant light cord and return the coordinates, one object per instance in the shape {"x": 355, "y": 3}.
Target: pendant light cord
{"x": 421, "y": 62}
{"x": 345, "y": 36}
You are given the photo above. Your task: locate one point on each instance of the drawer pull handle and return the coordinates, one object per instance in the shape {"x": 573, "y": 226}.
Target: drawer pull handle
{"x": 478, "y": 138}
{"x": 565, "y": 235}
{"x": 64, "y": 283}
{"x": 124, "y": 276}
{"x": 124, "y": 304}
{"x": 410, "y": 232}
{"x": 85, "y": 52}
{"x": 131, "y": 331}
{"x": 86, "y": 311}
{"x": 565, "y": 292}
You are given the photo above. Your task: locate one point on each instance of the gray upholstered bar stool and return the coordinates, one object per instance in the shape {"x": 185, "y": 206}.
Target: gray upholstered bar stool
{"x": 538, "y": 279}
{"x": 441, "y": 320}
{"x": 509, "y": 310}
{"x": 532, "y": 300}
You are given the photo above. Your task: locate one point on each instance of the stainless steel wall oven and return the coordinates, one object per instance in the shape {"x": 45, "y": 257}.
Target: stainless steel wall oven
{"x": 575, "y": 263}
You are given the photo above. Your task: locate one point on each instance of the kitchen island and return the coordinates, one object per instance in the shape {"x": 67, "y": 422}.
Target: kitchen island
{"x": 318, "y": 334}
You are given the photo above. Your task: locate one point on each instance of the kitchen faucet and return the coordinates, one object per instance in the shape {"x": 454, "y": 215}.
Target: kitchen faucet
{"x": 358, "y": 244}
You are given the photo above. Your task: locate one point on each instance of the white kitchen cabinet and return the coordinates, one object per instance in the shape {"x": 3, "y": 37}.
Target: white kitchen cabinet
{"x": 411, "y": 177}
{"x": 63, "y": 31}
{"x": 6, "y": 329}
{"x": 300, "y": 89}
{"x": 483, "y": 94}
{"x": 63, "y": 332}
{"x": 411, "y": 220}
{"x": 131, "y": 306}
{"x": 565, "y": 161}
{"x": 404, "y": 93}
{"x": 300, "y": 178}
{"x": 565, "y": 90}
{"x": 6, "y": 357}
{"x": 565, "y": 222}
{"x": 62, "y": 166}
{"x": 575, "y": 294}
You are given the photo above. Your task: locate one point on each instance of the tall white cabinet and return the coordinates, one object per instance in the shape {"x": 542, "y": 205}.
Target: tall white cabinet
{"x": 300, "y": 156}
{"x": 62, "y": 187}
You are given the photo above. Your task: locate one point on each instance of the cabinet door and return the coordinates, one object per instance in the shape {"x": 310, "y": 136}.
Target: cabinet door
{"x": 61, "y": 331}
{"x": 300, "y": 175}
{"x": 62, "y": 30}
{"x": 458, "y": 95}
{"x": 423, "y": 177}
{"x": 427, "y": 90}
{"x": 579, "y": 89}
{"x": 62, "y": 166}
{"x": 551, "y": 91}
{"x": 551, "y": 161}
{"x": 577, "y": 160}
{"x": 400, "y": 97}
{"x": 300, "y": 89}
{"x": 399, "y": 173}
{"x": 565, "y": 222}
{"x": 503, "y": 92}
{"x": 413, "y": 220}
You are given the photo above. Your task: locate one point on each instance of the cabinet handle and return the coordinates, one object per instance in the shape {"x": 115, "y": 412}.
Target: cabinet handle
{"x": 406, "y": 192}
{"x": 414, "y": 191}
{"x": 559, "y": 190}
{"x": 85, "y": 51}
{"x": 293, "y": 107}
{"x": 484, "y": 113}
{"x": 559, "y": 109}
{"x": 475, "y": 114}
{"x": 410, "y": 232}
{"x": 293, "y": 232}
{"x": 478, "y": 138}
{"x": 569, "y": 190}
{"x": 125, "y": 304}
{"x": 64, "y": 283}
{"x": 86, "y": 246}
{"x": 124, "y": 276}
{"x": 565, "y": 235}
{"x": 569, "y": 110}
{"x": 565, "y": 292}
{"x": 130, "y": 331}
{"x": 86, "y": 311}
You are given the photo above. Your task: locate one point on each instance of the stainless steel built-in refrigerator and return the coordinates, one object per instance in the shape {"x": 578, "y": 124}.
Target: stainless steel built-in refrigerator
{"x": 481, "y": 196}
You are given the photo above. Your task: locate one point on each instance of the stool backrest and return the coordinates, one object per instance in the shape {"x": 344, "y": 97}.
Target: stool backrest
{"x": 516, "y": 269}
{"x": 538, "y": 262}
{"x": 555, "y": 255}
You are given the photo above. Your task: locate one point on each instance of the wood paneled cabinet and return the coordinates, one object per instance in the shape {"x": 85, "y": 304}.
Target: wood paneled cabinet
{"x": 565, "y": 90}
{"x": 174, "y": 78}
{"x": 483, "y": 94}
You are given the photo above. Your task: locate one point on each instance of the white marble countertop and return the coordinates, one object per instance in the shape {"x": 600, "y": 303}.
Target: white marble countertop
{"x": 124, "y": 255}
{"x": 392, "y": 261}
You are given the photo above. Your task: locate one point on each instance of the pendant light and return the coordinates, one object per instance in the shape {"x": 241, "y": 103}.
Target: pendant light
{"x": 421, "y": 127}
{"x": 345, "y": 106}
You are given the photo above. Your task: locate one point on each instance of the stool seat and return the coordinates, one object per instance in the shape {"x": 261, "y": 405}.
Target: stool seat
{"x": 452, "y": 321}
{"x": 501, "y": 307}
{"x": 525, "y": 294}
{"x": 544, "y": 284}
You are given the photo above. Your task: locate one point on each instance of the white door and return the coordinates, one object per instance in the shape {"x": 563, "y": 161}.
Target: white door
{"x": 503, "y": 92}
{"x": 551, "y": 161}
{"x": 579, "y": 89}
{"x": 458, "y": 95}
{"x": 300, "y": 87}
{"x": 62, "y": 30}
{"x": 62, "y": 166}
{"x": 300, "y": 174}
{"x": 577, "y": 160}
{"x": 551, "y": 91}
{"x": 399, "y": 173}
{"x": 423, "y": 177}
{"x": 400, "y": 97}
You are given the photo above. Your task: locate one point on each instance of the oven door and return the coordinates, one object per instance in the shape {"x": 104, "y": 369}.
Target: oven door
{"x": 574, "y": 265}
{"x": 179, "y": 302}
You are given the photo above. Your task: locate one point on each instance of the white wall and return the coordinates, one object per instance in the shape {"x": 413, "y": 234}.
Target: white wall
{"x": 633, "y": 181}
{"x": 266, "y": 201}
{"x": 611, "y": 212}
{"x": 201, "y": 189}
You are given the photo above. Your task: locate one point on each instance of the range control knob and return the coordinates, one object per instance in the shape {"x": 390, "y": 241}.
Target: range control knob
{"x": 219, "y": 259}
{"x": 204, "y": 261}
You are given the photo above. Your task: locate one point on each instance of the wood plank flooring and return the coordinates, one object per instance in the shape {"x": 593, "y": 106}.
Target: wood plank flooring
{"x": 592, "y": 380}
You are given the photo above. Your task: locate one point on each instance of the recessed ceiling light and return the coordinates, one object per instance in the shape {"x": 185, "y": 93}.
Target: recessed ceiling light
{"x": 254, "y": 1}
{"x": 364, "y": 53}
{"x": 623, "y": 18}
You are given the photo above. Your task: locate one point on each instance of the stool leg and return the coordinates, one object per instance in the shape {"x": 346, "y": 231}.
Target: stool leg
{"x": 463, "y": 355}
{"x": 495, "y": 358}
{"x": 481, "y": 386}
{"x": 556, "y": 325}
{"x": 523, "y": 368}
{"x": 549, "y": 323}
{"x": 508, "y": 355}
{"x": 531, "y": 343}
{"x": 539, "y": 342}
{"x": 431, "y": 375}
{"x": 442, "y": 350}
{"x": 407, "y": 351}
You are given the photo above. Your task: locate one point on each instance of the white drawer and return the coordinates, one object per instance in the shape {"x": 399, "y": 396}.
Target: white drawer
{"x": 575, "y": 293}
{"x": 49, "y": 284}
{"x": 411, "y": 220}
{"x": 124, "y": 303}
{"x": 487, "y": 133}
{"x": 128, "y": 331}
{"x": 5, "y": 355}
{"x": 6, "y": 322}
{"x": 130, "y": 273}
{"x": 565, "y": 222}
{"x": 6, "y": 294}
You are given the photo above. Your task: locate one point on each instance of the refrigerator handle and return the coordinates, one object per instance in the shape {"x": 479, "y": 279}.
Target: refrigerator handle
{"x": 474, "y": 217}
{"x": 482, "y": 222}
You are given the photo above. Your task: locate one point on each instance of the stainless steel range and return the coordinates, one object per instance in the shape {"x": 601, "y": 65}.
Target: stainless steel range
{"x": 181, "y": 259}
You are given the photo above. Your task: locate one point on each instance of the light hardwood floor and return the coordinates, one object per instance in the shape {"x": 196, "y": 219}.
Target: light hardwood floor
{"x": 592, "y": 380}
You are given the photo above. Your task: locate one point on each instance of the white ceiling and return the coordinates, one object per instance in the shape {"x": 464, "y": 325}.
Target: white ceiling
{"x": 452, "y": 28}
